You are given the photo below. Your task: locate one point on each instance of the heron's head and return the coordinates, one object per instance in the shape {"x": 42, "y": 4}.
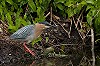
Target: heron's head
{"x": 43, "y": 25}
{"x": 39, "y": 27}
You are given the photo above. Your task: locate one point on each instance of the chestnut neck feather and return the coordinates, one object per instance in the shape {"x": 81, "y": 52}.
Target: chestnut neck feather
{"x": 38, "y": 30}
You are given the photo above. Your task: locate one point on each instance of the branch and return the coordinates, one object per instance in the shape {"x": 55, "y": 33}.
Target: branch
{"x": 47, "y": 14}
{"x": 92, "y": 49}
{"x": 51, "y": 13}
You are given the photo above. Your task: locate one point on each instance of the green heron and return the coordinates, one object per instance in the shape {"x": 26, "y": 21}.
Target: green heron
{"x": 29, "y": 33}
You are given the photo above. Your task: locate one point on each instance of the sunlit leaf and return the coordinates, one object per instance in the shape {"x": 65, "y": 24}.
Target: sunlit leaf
{"x": 69, "y": 3}
{"x": 47, "y": 39}
{"x": 18, "y": 23}
{"x": 39, "y": 11}
{"x": 32, "y": 5}
{"x": 25, "y": 16}
{"x": 19, "y": 0}
{"x": 40, "y": 1}
{"x": 83, "y": 2}
{"x": 9, "y": 1}
{"x": 3, "y": 18}
{"x": 37, "y": 40}
{"x": 8, "y": 16}
{"x": 23, "y": 22}
{"x": 3, "y": 3}
{"x": 89, "y": 19}
{"x": 39, "y": 19}
{"x": 60, "y": 6}
{"x": 1, "y": 11}
{"x": 70, "y": 11}
{"x": 48, "y": 50}
{"x": 11, "y": 27}
{"x": 59, "y": 1}
{"x": 90, "y": 1}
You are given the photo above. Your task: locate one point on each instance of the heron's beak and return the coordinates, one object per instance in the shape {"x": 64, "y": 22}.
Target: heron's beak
{"x": 53, "y": 26}
{"x": 47, "y": 26}
{"x": 50, "y": 26}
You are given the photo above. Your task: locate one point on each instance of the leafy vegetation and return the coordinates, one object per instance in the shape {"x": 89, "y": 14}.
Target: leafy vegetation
{"x": 18, "y": 13}
{"x": 24, "y": 12}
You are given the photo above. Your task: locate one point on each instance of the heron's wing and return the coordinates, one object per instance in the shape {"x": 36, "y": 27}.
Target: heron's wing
{"x": 23, "y": 33}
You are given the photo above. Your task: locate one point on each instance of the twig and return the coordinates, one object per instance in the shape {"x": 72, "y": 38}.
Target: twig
{"x": 47, "y": 14}
{"x": 62, "y": 27}
{"x": 87, "y": 34}
{"x": 83, "y": 61}
{"x": 70, "y": 45}
{"x": 96, "y": 14}
{"x": 32, "y": 63}
{"x": 3, "y": 23}
{"x": 92, "y": 49}
{"x": 58, "y": 18}
{"x": 70, "y": 28}
{"x": 94, "y": 17}
{"x": 26, "y": 8}
{"x": 69, "y": 63}
{"x": 51, "y": 13}
{"x": 97, "y": 40}
{"x": 27, "y": 11}
{"x": 79, "y": 18}
{"x": 97, "y": 34}
{"x": 77, "y": 29}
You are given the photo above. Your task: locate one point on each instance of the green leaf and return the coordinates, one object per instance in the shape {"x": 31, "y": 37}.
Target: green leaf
{"x": 15, "y": 6}
{"x": 19, "y": 0}
{"x": 37, "y": 3}
{"x": 89, "y": 19}
{"x": 12, "y": 8}
{"x": 70, "y": 12}
{"x": 13, "y": 28}
{"x": 23, "y": 22}
{"x": 47, "y": 39}
{"x": 28, "y": 22}
{"x": 48, "y": 50}
{"x": 8, "y": 16}
{"x": 32, "y": 5}
{"x": 90, "y": 1}
{"x": 37, "y": 40}
{"x": 3, "y": 18}
{"x": 1, "y": 11}
{"x": 83, "y": 2}
{"x": 60, "y": 6}
{"x": 18, "y": 22}
{"x": 5, "y": 10}
{"x": 39, "y": 11}
{"x": 40, "y": 19}
{"x": 59, "y": 1}
{"x": 77, "y": 9}
{"x": 68, "y": 3}
{"x": 9, "y": 1}
{"x": 97, "y": 23}
{"x": 3, "y": 3}
{"x": 25, "y": 16}
{"x": 40, "y": 1}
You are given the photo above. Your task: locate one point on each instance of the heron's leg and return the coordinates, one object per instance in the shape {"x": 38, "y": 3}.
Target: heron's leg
{"x": 28, "y": 50}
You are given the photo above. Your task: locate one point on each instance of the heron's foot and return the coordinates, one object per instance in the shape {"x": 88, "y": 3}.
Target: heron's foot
{"x": 28, "y": 50}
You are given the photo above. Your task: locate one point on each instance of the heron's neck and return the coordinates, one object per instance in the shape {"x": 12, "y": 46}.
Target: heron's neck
{"x": 38, "y": 31}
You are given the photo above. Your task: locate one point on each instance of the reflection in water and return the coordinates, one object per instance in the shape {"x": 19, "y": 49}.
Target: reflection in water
{"x": 76, "y": 60}
{"x": 45, "y": 62}
{"x": 50, "y": 62}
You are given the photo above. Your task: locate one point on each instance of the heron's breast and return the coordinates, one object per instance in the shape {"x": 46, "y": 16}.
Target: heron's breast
{"x": 37, "y": 34}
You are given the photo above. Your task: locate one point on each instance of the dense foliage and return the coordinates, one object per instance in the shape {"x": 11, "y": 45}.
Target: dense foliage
{"x": 18, "y": 13}
{"x": 24, "y": 12}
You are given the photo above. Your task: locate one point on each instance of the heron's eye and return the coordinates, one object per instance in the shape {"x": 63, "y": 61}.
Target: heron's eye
{"x": 43, "y": 27}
